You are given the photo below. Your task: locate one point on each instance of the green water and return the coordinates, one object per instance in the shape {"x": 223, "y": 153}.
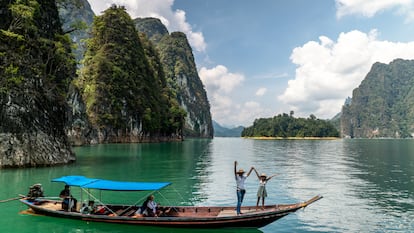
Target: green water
{"x": 368, "y": 185}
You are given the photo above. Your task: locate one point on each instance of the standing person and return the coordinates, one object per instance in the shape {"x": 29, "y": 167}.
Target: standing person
{"x": 68, "y": 203}
{"x": 240, "y": 179}
{"x": 261, "y": 192}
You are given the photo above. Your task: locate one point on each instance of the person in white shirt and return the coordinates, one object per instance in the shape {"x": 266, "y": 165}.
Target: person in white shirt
{"x": 240, "y": 179}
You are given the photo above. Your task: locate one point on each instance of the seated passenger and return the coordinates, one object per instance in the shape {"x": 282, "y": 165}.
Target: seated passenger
{"x": 69, "y": 202}
{"x": 151, "y": 209}
{"x": 88, "y": 209}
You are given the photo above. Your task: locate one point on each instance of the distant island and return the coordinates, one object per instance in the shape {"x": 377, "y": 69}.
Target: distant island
{"x": 286, "y": 126}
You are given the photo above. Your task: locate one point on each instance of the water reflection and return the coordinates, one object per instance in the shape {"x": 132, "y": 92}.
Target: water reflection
{"x": 388, "y": 167}
{"x": 368, "y": 185}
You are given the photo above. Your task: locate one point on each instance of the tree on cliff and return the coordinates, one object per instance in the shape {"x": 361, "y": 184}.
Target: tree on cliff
{"x": 123, "y": 90}
{"x": 36, "y": 66}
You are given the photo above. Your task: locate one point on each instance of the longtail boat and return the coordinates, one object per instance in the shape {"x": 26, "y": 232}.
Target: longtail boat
{"x": 174, "y": 216}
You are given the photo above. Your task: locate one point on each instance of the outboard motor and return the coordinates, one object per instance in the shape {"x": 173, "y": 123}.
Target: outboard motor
{"x": 35, "y": 191}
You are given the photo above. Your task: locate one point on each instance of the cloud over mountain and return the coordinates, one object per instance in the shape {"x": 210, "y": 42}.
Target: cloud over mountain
{"x": 327, "y": 70}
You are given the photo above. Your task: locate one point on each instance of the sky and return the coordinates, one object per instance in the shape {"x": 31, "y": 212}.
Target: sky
{"x": 261, "y": 58}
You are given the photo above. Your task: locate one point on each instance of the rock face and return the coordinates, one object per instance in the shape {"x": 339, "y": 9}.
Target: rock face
{"x": 32, "y": 150}
{"x": 79, "y": 129}
{"x": 383, "y": 105}
{"x": 123, "y": 86}
{"x": 35, "y": 68}
{"x": 181, "y": 72}
{"x": 76, "y": 17}
{"x": 181, "y": 77}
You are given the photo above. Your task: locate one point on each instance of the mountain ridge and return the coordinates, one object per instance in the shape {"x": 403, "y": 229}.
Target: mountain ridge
{"x": 222, "y": 131}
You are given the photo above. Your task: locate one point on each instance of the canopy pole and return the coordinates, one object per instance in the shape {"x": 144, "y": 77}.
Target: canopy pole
{"x": 99, "y": 201}
{"x": 140, "y": 200}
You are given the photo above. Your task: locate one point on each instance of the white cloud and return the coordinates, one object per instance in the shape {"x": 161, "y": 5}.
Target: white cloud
{"x": 261, "y": 91}
{"x": 220, "y": 84}
{"x": 369, "y": 8}
{"x": 329, "y": 70}
{"x": 219, "y": 79}
{"x": 162, "y": 9}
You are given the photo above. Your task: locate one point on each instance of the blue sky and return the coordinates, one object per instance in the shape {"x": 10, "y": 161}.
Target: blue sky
{"x": 264, "y": 57}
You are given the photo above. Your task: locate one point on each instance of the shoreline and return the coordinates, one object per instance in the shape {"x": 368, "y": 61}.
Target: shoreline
{"x": 292, "y": 138}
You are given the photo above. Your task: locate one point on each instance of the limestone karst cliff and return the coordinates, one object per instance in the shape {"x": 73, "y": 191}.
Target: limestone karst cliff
{"x": 36, "y": 67}
{"x": 181, "y": 73}
{"x": 383, "y": 104}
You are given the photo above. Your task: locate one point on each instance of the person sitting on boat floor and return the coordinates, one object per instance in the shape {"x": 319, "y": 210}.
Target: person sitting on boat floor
{"x": 151, "y": 209}
{"x": 88, "y": 209}
{"x": 240, "y": 179}
{"x": 261, "y": 192}
{"x": 69, "y": 202}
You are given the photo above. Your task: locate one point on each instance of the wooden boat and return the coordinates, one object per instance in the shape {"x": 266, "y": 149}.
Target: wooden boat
{"x": 175, "y": 216}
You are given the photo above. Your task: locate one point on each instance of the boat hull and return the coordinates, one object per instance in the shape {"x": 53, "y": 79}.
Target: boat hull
{"x": 183, "y": 217}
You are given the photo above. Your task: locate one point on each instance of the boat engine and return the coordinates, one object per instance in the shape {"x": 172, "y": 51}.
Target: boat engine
{"x": 35, "y": 191}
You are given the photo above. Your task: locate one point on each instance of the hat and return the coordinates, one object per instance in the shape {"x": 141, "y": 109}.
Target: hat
{"x": 240, "y": 171}
{"x": 263, "y": 175}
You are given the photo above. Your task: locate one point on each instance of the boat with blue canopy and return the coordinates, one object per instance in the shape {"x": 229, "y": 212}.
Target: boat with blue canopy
{"x": 100, "y": 184}
{"x": 170, "y": 216}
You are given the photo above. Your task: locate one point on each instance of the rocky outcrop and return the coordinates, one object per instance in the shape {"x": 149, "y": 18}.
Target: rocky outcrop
{"x": 123, "y": 85}
{"x": 33, "y": 150}
{"x": 76, "y": 17}
{"x": 178, "y": 61}
{"x": 383, "y": 104}
{"x": 79, "y": 129}
{"x": 35, "y": 68}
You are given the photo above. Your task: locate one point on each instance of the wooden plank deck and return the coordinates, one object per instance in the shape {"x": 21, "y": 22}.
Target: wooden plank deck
{"x": 231, "y": 213}
{"x": 52, "y": 205}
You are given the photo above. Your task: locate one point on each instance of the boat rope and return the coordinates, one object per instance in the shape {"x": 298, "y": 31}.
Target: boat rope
{"x": 164, "y": 198}
{"x": 182, "y": 198}
{"x": 169, "y": 204}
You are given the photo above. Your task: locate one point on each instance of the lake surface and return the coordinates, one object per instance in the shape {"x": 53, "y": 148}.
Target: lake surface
{"x": 368, "y": 185}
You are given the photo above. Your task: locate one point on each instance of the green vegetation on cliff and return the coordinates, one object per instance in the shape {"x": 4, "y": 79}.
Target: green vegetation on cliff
{"x": 287, "y": 126}
{"x": 383, "y": 105}
{"x": 181, "y": 73}
{"x": 36, "y": 66}
{"x": 122, "y": 82}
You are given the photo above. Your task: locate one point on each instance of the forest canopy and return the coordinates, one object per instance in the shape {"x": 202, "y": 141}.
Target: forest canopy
{"x": 284, "y": 125}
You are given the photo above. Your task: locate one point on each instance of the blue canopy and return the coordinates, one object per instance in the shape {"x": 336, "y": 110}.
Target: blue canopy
{"x": 84, "y": 182}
